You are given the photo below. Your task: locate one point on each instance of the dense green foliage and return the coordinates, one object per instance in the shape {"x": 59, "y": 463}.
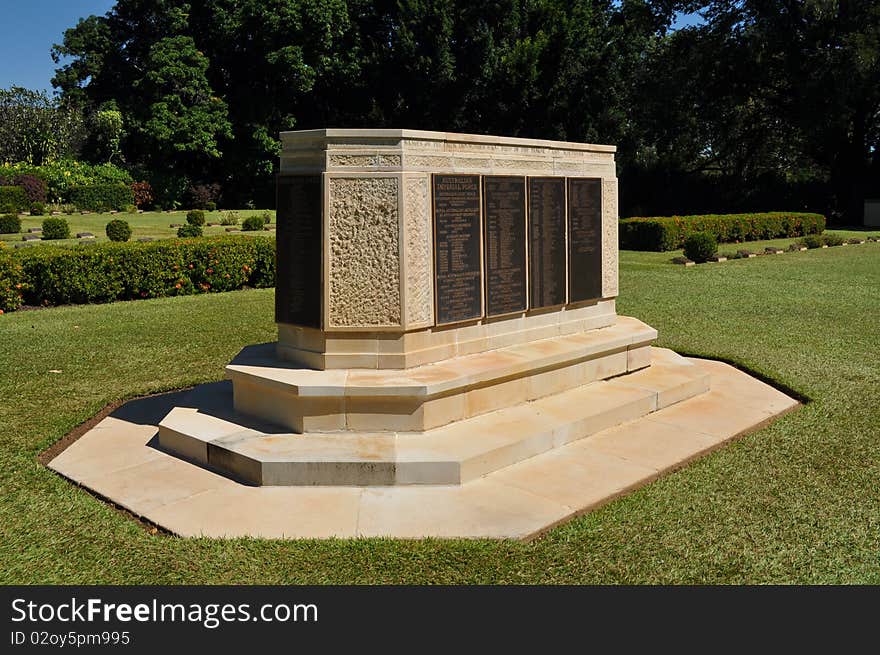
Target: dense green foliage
{"x": 13, "y": 198}
{"x": 833, "y": 239}
{"x": 55, "y": 227}
{"x": 118, "y": 230}
{"x": 253, "y": 223}
{"x": 35, "y": 128}
{"x": 669, "y": 232}
{"x": 195, "y": 217}
{"x": 10, "y": 224}
{"x": 38, "y": 209}
{"x": 189, "y": 231}
{"x": 765, "y": 104}
{"x": 102, "y": 197}
{"x": 62, "y": 176}
{"x": 125, "y": 271}
{"x": 700, "y": 246}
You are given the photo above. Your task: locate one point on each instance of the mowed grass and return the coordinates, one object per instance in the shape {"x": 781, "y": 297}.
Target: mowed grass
{"x": 149, "y": 224}
{"x": 798, "y": 501}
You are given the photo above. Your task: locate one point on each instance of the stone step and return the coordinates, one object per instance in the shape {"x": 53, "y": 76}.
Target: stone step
{"x": 204, "y": 432}
{"x": 432, "y": 395}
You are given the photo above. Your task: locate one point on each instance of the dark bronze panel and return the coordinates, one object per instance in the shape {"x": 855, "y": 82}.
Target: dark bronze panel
{"x": 504, "y": 227}
{"x": 546, "y": 242}
{"x": 298, "y": 288}
{"x": 584, "y": 239}
{"x": 457, "y": 265}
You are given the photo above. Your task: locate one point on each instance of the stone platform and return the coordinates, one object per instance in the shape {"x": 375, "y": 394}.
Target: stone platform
{"x": 120, "y": 459}
{"x": 504, "y": 432}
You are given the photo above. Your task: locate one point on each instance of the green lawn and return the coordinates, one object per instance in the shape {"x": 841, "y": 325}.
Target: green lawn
{"x": 149, "y": 224}
{"x": 798, "y": 501}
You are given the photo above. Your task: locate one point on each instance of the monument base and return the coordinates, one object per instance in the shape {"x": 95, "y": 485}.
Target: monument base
{"x": 118, "y": 460}
{"x": 442, "y": 423}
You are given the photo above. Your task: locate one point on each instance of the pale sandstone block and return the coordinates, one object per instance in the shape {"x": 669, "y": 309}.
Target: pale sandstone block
{"x": 496, "y": 396}
{"x": 637, "y": 358}
{"x": 611, "y": 365}
{"x": 419, "y": 255}
{"x": 554, "y": 381}
{"x": 609, "y": 237}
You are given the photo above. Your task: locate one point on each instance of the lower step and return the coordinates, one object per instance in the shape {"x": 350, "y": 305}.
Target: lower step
{"x": 208, "y": 433}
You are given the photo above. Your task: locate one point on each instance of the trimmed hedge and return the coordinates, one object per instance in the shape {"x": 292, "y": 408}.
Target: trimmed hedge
{"x": 102, "y": 197}
{"x": 669, "y": 232}
{"x": 13, "y": 198}
{"x": 106, "y": 272}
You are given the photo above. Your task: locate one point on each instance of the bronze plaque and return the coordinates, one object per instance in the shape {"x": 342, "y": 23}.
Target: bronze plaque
{"x": 298, "y": 245}
{"x": 584, "y": 238}
{"x": 546, "y": 242}
{"x": 504, "y": 227}
{"x": 457, "y": 265}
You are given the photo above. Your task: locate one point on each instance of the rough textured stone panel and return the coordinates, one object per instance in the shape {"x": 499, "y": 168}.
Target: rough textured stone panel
{"x": 389, "y": 160}
{"x": 363, "y": 161}
{"x": 609, "y": 238}
{"x": 419, "y": 274}
{"x": 428, "y": 161}
{"x": 364, "y": 262}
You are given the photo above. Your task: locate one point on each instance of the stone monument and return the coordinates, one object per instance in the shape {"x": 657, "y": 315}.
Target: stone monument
{"x": 445, "y": 307}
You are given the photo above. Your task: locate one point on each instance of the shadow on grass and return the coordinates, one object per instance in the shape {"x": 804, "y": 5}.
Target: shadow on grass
{"x": 779, "y": 386}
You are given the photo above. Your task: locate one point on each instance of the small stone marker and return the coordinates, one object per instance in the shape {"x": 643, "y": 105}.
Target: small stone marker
{"x": 824, "y": 245}
{"x": 56, "y": 213}
{"x": 145, "y": 239}
{"x": 213, "y": 224}
{"x": 85, "y": 212}
{"x": 773, "y": 251}
{"x": 113, "y": 211}
{"x": 31, "y": 237}
{"x": 745, "y": 254}
{"x": 717, "y": 259}
{"x": 23, "y": 245}
{"x": 85, "y": 235}
{"x": 683, "y": 261}
{"x": 232, "y": 229}
{"x": 35, "y": 230}
{"x": 176, "y": 225}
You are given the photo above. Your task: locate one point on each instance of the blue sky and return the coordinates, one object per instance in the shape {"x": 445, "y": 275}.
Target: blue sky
{"x": 30, "y": 27}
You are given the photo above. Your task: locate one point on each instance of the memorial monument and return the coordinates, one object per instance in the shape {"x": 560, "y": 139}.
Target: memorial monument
{"x": 427, "y": 281}
{"x": 449, "y": 360}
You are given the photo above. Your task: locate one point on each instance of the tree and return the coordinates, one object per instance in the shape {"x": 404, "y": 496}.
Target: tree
{"x": 35, "y": 128}
{"x": 182, "y": 119}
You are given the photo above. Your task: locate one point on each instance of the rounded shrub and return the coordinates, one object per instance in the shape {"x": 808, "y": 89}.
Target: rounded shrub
{"x": 10, "y": 224}
{"x": 812, "y": 241}
{"x": 700, "y": 246}
{"x": 195, "y": 217}
{"x": 38, "y": 209}
{"x": 189, "y": 230}
{"x": 118, "y": 230}
{"x": 833, "y": 240}
{"x": 211, "y": 206}
{"x": 55, "y": 227}
{"x": 253, "y": 223}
